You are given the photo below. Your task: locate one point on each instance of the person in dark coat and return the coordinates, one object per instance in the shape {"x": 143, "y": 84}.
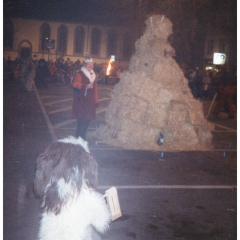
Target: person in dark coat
{"x": 227, "y": 91}
{"x": 85, "y": 97}
{"x": 42, "y": 73}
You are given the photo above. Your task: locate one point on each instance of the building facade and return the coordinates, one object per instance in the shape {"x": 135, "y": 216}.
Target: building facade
{"x": 215, "y": 44}
{"x": 50, "y": 40}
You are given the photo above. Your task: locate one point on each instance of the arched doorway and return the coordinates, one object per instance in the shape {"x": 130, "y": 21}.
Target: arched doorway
{"x": 25, "y": 49}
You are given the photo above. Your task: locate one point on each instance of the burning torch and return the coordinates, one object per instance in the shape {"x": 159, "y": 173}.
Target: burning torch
{"x": 112, "y": 59}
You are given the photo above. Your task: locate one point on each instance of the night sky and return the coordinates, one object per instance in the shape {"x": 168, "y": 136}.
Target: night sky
{"x": 87, "y": 11}
{"x": 110, "y": 12}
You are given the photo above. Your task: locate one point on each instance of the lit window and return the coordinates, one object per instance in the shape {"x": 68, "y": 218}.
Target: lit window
{"x": 62, "y": 40}
{"x": 111, "y": 43}
{"x": 210, "y": 47}
{"x": 79, "y": 40}
{"x": 44, "y": 35}
{"x": 95, "y": 41}
{"x": 222, "y": 46}
{"x": 126, "y": 53}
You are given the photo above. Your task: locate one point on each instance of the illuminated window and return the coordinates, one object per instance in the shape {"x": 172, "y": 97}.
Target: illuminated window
{"x": 111, "y": 43}
{"x": 126, "y": 53}
{"x": 95, "y": 41}
{"x": 210, "y": 47}
{"x": 79, "y": 38}
{"x": 44, "y": 35}
{"x": 62, "y": 40}
{"x": 222, "y": 46}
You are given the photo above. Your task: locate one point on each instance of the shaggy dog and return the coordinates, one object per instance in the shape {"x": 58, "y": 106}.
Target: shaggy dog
{"x": 66, "y": 176}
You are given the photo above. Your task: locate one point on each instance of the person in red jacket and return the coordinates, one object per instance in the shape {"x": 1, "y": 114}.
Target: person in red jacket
{"x": 85, "y": 97}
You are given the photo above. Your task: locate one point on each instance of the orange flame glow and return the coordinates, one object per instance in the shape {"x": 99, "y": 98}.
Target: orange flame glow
{"x": 109, "y": 68}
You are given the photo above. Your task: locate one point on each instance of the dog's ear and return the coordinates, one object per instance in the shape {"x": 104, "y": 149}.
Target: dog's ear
{"x": 79, "y": 165}
{"x": 90, "y": 170}
{"x": 51, "y": 201}
{"x": 41, "y": 180}
{"x": 45, "y": 164}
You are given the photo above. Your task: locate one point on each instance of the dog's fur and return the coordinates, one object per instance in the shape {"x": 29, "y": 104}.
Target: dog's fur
{"x": 66, "y": 176}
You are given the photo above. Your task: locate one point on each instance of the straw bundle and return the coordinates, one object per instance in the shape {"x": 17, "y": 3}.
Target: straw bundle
{"x": 153, "y": 97}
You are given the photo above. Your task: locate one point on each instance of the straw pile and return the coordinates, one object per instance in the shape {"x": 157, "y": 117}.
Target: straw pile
{"x": 153, "y": 97}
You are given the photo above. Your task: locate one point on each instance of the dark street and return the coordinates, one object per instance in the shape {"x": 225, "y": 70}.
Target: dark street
{"x": 187, "y": 195}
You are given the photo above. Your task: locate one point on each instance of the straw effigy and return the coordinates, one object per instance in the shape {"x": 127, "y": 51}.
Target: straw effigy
{"x": 153, "y": 97}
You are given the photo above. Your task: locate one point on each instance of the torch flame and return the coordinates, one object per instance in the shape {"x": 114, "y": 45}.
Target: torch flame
{"x": 109, "y": 68}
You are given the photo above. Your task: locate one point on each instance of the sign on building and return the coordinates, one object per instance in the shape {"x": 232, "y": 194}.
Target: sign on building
{"x": 219, "y": 58}
{"x": 50, "y": 43}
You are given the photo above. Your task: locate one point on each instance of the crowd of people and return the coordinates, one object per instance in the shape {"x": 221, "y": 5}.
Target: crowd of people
{"x": 44, "y": 72}
{"x": 220, "y": 84}
{"x": 204, "y": 84}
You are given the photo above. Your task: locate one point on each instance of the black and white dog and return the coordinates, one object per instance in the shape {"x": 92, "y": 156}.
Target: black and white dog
{"x": 66, "y": 176}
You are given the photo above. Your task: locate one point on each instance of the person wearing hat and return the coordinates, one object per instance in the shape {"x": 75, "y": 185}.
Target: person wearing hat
{"x": 85, "y": 97}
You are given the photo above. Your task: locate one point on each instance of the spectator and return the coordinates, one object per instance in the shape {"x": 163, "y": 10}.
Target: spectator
{"x": 77, "y": 64}
{"x": 226, "y": 93}
{"x": 206, "y": 84}
{"x": 193, "y": 81}
{"x": 214, "y": 84}
{"x": 9, "y": 63}
{"x": 118, "y": 72}
{"x": 42, "y": 73}
{"x": 27, "y": 73}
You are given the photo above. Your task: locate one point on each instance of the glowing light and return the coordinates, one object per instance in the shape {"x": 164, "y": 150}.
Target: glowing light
{"x": 219, "y": 58}
{"x": 208, "y": 68}
{"x": 109, "y": 67}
